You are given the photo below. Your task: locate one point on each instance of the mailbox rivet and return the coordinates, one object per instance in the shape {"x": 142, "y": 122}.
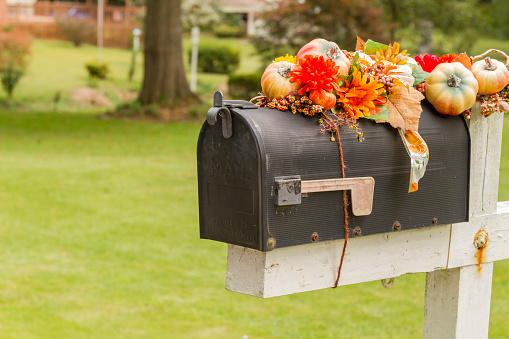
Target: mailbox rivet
{"x": 435, "y": 221}
{"x": 314, "y": 237}
{"x": 396, "y": 226}
{"x": 271, "y": 242}
{"x": 357, "y": 231}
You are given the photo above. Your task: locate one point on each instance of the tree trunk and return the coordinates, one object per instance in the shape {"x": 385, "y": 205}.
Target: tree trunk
{"x": 164, "y": 80}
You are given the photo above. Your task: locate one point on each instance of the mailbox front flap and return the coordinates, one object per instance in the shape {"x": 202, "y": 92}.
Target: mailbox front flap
{"x": 229, "y": 184}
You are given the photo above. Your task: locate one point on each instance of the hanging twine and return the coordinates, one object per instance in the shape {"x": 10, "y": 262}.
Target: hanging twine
{"x": 345, "y": 197}
{"x": 345, "y": 209}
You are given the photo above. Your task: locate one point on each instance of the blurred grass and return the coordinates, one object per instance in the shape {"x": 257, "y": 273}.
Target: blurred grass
{"x": 99, "y": 238}
{"x": 59, "y": 67}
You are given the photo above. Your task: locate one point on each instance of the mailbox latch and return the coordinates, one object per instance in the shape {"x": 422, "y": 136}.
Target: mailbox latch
{"x": 220, "y": 108}
{"x": 288, "y": 191}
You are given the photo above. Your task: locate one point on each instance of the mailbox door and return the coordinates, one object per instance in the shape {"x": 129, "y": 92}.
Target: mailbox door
{"x": 229, "y": 177}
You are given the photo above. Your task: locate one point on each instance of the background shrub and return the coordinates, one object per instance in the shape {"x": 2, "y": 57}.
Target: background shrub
{"x": 217, "y": 58}
{"x": 14, "y": 52}
{"x": 227, "y": 31}
{"x": 77, "y": 30}
{"x": 244, "y": 86}
{"x": 97, "y": 70}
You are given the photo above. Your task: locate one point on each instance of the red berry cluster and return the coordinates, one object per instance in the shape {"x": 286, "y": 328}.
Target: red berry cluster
{"x": 295, "y": 103}
{"x": 421, "y": 87}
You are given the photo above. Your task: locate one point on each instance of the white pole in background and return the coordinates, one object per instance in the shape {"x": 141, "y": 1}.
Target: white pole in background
{"x": 195, "y": 40}
{"x": 136, "y": 48}
{"x": 100, "y": 19}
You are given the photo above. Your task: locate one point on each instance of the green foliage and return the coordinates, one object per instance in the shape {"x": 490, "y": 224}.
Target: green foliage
{"x": 97, "y": 70}
{"x": 77, "y": 30}
{"x": 244, "y": 86}
{"x": 10, "y": 77}
{"x": 288, "y": 25}
{"x": 14, "y": 51}
{"x": 217, "y": 57}
{"x": 199, "y": 13}
{"x": 227, "y": 31}
{"x": 454, "y": 24}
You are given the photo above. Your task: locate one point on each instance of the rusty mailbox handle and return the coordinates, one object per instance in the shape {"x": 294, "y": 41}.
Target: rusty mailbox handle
{"x": 288, "y": 191}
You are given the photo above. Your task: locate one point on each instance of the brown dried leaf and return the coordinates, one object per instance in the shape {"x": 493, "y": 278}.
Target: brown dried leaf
{"x": 360, "y": 45}
{"x": 404, "y": 108}
{"x": 464, "y": 59}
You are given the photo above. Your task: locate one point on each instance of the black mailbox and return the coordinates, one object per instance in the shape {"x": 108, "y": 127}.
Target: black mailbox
{"x": 256, "y": 166}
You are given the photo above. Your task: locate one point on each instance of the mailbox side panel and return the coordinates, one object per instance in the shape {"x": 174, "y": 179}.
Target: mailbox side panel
{"x": 229, "y": 185}
{"x": 294, "y": 146}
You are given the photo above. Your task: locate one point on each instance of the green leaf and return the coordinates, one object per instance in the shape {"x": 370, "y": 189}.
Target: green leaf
{"x": 372, "y": 46}
{"x": 379, "y": 117}
{"x": 418, "y": 73}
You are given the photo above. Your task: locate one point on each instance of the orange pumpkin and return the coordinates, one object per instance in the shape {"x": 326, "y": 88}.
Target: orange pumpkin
{"x": 327, "y": 49}
{"x": 323, "y": 98}
{"x": 492, "y": 75}
{"x": 276, "y": 80}
{"x": 451, "y": 88}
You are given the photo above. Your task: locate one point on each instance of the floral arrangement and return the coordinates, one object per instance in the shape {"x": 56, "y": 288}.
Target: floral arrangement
{"x": 383, "y": 83}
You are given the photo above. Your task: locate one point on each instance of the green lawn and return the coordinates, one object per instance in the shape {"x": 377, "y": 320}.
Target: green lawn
{"x": 99, "y": 238}
{"x": 99, "y": 231}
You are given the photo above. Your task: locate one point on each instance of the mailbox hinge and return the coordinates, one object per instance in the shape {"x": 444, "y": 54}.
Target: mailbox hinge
{"x": 220, "y": 108}
{"x": 288, "y": 191}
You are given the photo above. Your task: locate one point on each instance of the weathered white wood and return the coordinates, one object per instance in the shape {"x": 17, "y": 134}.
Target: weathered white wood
{"x": 492, "y": 167}
{"x": 486, "y": 143}
{"x": 457, "y": 302}
{"x": 314, "y": 266}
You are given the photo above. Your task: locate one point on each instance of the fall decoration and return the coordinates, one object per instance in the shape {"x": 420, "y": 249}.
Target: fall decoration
{"x": 361, "y": 96}
{"x": 492, "y": 75}
{"x": 319, "y": 77}
{"x": 288, "y": 58}
{"x": 327, "y": 49}
{"x": 428, "y": 62}
{"x": 404, "y": 107}
{"x": 276, "y": 80}
{"x": 391, "y": 54}
{"x": 452, "y": 88}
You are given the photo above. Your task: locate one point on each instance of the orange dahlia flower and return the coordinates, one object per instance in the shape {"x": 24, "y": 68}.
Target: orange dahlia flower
{"x": 315, "y": 75}
{"x": 361, "y": 97}
{"x": 447, "y": 58}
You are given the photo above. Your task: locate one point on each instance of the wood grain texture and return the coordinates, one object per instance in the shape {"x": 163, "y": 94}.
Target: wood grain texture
{"x": 455, "y": 302}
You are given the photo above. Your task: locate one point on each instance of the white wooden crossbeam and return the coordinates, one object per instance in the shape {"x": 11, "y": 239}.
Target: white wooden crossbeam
{"x": 314, "y": 266}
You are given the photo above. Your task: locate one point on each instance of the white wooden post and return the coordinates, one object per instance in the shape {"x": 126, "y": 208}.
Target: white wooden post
{"x": 459, "y": 274}
{"x": 457, "y": 302}
{"x": 195, "y": 40}
{"x": 100, "y": 20}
